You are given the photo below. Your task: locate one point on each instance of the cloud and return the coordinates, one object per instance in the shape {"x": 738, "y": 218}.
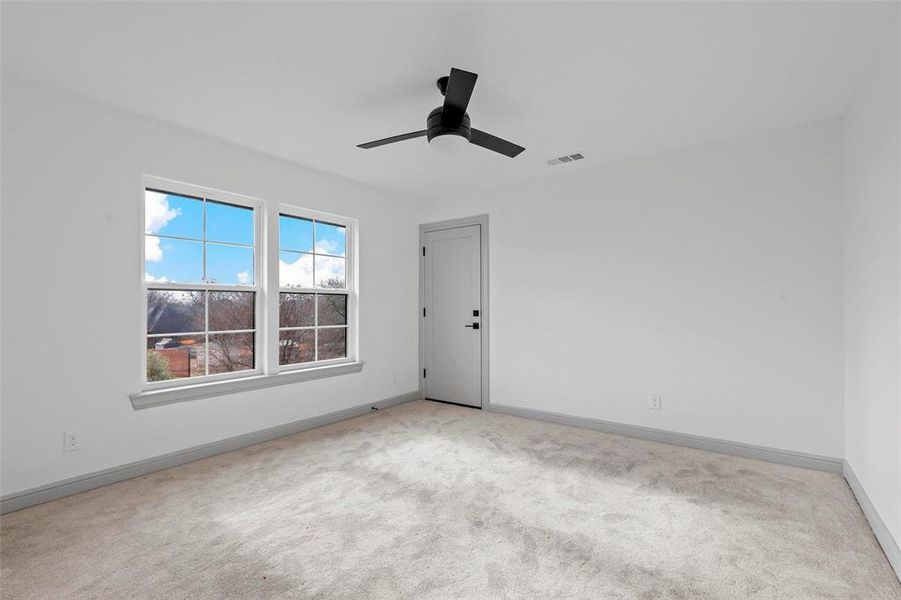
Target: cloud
{"x": 328, "y": 268}
{"x": 243, "y": 277}
{"x": 157, "y": 213}
{"x": 299, "y": 273}
{"x": 326, "y": 247}
{"x": 151, "y": 279}
{"x": 152, "y": 250}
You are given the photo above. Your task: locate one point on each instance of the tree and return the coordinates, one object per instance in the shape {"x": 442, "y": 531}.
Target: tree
{"x": 157, "y": 367}
{"x": 332, "y": 283}
{"x": 336, "y": 304}
{"x": 296, "y": 310}
{"x": 229, "y": 311}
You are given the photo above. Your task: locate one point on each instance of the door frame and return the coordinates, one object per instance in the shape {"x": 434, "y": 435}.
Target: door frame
{"x": 484, "y": 312}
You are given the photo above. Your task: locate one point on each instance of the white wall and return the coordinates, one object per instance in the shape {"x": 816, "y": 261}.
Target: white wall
{"x": 872, "y": 311}
{"x": 711, "y": 276}
{"x": 72, "y": 301}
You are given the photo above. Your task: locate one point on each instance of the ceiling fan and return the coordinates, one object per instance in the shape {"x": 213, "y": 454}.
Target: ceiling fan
{"x": 448, "y": 126}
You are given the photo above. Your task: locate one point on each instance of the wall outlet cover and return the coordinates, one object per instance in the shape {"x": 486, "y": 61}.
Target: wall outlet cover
{"x": 71, "y": 441}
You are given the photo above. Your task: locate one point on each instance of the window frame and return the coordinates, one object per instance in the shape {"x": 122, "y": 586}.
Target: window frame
{"x": 266, "y": 371}
{"x": 349, "y": 289}
{"x": 162, "y": 185}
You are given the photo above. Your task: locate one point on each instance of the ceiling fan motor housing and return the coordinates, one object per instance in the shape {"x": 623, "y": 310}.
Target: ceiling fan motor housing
{"x": 437, "y": 125}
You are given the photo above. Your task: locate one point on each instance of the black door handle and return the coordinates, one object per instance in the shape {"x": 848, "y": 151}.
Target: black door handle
{"x": 474, "y": 326}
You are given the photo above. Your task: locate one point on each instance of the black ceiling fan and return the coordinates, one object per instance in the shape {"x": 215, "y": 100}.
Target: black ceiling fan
{"x": 449, "y": 123}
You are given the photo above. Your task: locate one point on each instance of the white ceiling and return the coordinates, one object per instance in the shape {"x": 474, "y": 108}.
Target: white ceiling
{"x": 307, "y": 82}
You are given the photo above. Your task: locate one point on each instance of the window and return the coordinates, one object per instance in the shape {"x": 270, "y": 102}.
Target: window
{"x": 313, "y": 296}
{"x": 200, "y": 276}
{"x": 205, "y": 299}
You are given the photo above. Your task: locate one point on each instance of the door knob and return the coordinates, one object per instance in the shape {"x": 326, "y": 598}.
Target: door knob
{"x": 474, "y": 326}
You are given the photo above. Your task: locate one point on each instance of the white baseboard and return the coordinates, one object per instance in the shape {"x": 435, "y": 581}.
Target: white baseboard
{"x": 785, "y": 457}
{"x": 889, "y": 544}
{"x": 89, "y": 481}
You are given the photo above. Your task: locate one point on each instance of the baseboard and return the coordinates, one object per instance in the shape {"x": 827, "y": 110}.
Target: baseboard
{"x": 889, "y": 544}
{"x": 83, "y": 483}
{"x": 784, "y": 457}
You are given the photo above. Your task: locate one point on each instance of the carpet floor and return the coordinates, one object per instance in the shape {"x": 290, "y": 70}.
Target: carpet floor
{"x": 426, "y": 500}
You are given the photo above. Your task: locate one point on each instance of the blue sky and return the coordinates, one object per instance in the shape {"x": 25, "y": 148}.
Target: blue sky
{"x": 297, "y": 234}
{"x": 298, "y": 268}
{"x": 181, "y": 260}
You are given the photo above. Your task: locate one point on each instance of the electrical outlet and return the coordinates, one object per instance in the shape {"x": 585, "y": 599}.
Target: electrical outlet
{"x": 71, "y": 441}
{"x": 656, "y": 402}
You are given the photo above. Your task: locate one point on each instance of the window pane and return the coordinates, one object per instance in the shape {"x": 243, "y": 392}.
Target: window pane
{"x": 232, "y": 265}
{"x": 332, "y": 309}
{"x": 330, "y": 239}
{"x": 295, "y": 234}
{"x": 231, "y": 310}
{"x": 175, "y": 357}
{"x": 330, "y": 272}
{"x": 332, "y": 343}
{"x": 296, "y": 346}
{"x": 174, "y": 311}
{"x": 171, "y": 214}
{"x": 168, "y": 260}
{"x": 230, "y": 352}
{"x": 296, "y": 310}
{"x": 295, "y": 270}
{"x": 229, "y": 223}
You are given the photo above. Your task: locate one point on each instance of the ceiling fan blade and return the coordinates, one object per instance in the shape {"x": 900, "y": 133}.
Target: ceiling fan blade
{"x": 486, "y": 140}
{"x": 391, "y": 140}
{"x": 456, "y": 97}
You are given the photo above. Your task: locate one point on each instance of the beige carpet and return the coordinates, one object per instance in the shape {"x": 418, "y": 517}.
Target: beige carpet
{"x": 434, "y": 501}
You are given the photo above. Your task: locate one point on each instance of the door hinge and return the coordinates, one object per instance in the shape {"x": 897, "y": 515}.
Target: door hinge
{"x": 423, "y": 250}
{"x": 423, "y": 373}
{"x": 423, "y": 311}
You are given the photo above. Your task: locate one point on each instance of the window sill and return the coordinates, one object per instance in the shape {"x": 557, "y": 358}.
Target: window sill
{"x": 149, "y": 398}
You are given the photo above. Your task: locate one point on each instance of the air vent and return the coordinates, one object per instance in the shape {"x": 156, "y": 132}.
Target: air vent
{"x": 565, "y": 159}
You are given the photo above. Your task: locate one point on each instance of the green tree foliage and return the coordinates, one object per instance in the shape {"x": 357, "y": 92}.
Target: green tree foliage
{"x": 157, "y": 367}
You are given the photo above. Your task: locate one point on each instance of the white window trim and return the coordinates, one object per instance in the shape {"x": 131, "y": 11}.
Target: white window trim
{"x": 267, "y": 371}
{"x": 350, "y": 289}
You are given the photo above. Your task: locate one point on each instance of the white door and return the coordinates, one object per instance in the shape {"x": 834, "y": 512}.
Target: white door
{"x": 453, "y": 338}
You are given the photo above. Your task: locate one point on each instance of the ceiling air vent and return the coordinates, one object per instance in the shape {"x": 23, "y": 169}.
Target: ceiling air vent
{"x": 565, "y": 159}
